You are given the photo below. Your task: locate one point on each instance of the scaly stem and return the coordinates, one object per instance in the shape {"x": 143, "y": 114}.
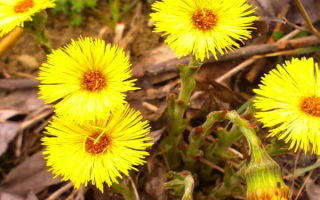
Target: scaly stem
{"x": 125, "y": 189}
{"x": 182, "y": 183}
{"x": 197, "y": 138}
{"x": 177, "y": 108}
{"x": 263, "y": 174}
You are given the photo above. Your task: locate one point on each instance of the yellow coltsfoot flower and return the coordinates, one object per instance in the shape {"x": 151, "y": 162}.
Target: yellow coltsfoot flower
{"x": 86, "y": 79}
{"x": 14, "y": 13}
{"x": 289, "y": 103}
{"x": 201, "y": 27}
{"x": 97, "y": 152}
{"x": 263, "y": 178}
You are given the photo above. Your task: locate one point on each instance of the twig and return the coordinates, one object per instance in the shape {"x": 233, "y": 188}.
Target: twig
{"x": 268, "y": 48}
{"x": 150, "y": 106}
{"x": 307, "y": 18}
{"x": 289, "y": 35}
{"x": 44, "y": 112}
{"x": 212, "y": 165}
{"x": 281, "y": 44}
{"x": 13, "y": 84}
{"x": 239, "y": 67}
{"x": 60, "y": 191}
{"x": 135, "y": 191}
{"x": 304, "y": 184}
{"x": 294, "y": 169}
{"x": 286, "y": 21}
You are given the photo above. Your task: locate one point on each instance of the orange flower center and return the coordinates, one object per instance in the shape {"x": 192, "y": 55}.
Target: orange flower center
{"x": 95, "y": 146}
{"x": 23, "y": 6}
{"x": 311, "y": 105}
{"x": 204, "y": 19}
{"x": 93, "y": 81}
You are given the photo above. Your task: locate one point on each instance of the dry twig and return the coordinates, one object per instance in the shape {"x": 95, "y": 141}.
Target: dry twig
{"x": 307, "y": 18}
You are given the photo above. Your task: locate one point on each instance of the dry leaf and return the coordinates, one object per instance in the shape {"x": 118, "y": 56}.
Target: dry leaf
{"x": 8, "y": 132}
{"x": 156, "y": 135}
{"x": 154, "y": 62}
{"x": 30, "y": 176}
{"x": 8, "y": 196}
{"x": 6, "y": 114}
{"x": 24, "y": 101}
{"x": 154, "y": 186}
{"x": 28, "y": 61}
{"x": 313, "y": 190}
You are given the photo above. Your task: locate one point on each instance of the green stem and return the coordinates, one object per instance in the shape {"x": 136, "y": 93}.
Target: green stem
{"x": 125, "y": 189}
{"x": 38, "y": 29}
{"x": 197, "y": 138}
{"x": 104, "y": 19}
{"x": 187, "y": 86}
{"x": 177, "y": 108}
{"x": 220, "y": 149}
{"x": 247, "y": 130}
{"x": 263, "y": 174}
{"x": 182, "y": 184}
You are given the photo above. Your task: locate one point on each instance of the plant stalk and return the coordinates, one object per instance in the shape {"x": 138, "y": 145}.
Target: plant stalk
{"x": 177, "y": 108}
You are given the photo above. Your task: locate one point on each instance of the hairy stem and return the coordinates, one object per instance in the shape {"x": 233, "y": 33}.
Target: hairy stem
{"x": 178, "y": 106}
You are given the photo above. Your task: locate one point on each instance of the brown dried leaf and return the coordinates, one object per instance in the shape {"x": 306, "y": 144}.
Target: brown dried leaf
{"x": 8, "y": 196}
{"x": 6, "y": 114}
{"x": 30, "y": 176}
{"x": 154, "y": 186}
{"x": 28, "y": 61}
{"x": 311, "y": 6}
{"x": 154, "y": 62}
{"x": 313, "y": 190}
{"x": 156, "y": 135}
{"x": 269, "y": 8}
{"x": 8, "y": 132}
{"x": 24, "y": 101}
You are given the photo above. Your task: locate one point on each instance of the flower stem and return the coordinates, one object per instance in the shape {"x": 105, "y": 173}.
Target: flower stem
{"x": 263, "y": 174}
{"x": 178, "y": 106}
{"x": 197, "y": 137}
{"x": 182, "y": 183}
{"x": 125, "y": 189}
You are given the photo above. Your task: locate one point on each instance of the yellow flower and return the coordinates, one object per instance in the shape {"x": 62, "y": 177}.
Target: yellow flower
{"x": 289, "y": 103}
{"x": 98, "y": 152}
{"x": 203, "y": 26}
{"x": 86, "y": 79}
{"x": 263, "y": 178}
{"x": 15, "y": 12}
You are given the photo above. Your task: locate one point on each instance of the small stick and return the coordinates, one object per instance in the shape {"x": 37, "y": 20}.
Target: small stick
{"x": 239, "y": 67}
{"x": 289, "y": 35}
{"x": 304, "y": 184}
{"x": 13, "y": 84}
{"x": 136, "y": 194}
{"x": 60, "y": 191}
{"x": 307, "y": 18}
{"x": 150, "y": 106}
{"x": 294, "y": 169}
{"x": 212, "y": 165}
